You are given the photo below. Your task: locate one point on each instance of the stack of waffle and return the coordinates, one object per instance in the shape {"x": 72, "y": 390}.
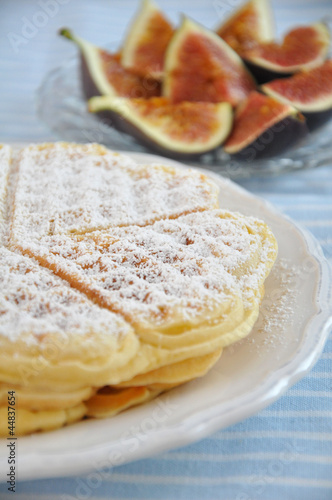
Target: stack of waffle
{"x": 118, "y": 281}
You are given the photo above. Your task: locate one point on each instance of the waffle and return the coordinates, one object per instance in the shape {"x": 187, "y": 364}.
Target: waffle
{"x": 167, "y": 281}
{"x": 118, "y": 281}
{"x": 28, "y": 421}
{"x": 51, "y": 335}
{"x": 93, "y": 188}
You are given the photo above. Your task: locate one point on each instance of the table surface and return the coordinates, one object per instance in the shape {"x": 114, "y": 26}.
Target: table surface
{"x": 283, "y": 452}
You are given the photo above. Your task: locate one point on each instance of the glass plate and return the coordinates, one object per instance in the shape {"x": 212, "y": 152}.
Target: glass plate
{"x": 61, "y": 105}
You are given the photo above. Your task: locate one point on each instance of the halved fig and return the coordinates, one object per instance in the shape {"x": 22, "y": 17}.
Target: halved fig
{"x": 303, "y": 48}
{"x": 263, "y": 127}
{"x": 309, "y": 91}
{"x": 252, "y": 23}
{"x": 148, "y": 37}
{"x": 200, "y": 66}
{"x": 184, "y": 130}
{"x": 103, "y": 74}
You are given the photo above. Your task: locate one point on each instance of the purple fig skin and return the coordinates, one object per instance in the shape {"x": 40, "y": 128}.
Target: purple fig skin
{"x": 264, "y": 75}
{"x": 111, "y": 119}
{"x": 275, "y": 140}
{"x": 317, "y": 119}
{"x": 118, "y": 122}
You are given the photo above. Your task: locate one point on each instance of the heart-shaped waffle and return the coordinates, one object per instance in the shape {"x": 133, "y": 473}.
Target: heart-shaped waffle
{"x": 117, "y": 281}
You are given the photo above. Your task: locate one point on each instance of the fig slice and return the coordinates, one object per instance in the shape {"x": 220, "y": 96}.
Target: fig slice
{"x": 148, "y": 37}
{"x": 200, "y": 66}
{"x": 252, "y": 23}
{"x": 103, "y": 74}
{"x": 263, "y": 127}
{"x": 184, "y": 130}
{"x": 303, "y": 48}
{"x": 309, "y": 91}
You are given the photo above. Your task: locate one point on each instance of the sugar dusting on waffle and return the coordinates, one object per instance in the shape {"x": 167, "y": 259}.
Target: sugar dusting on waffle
{"x": 111, "y": 270}
{"x": 193, "y": 264}
{"x": 66, "y": 188}
{"x": 141, "y": 269}
{"x": 5, "y": 163}
{"x": 34, "y": 302}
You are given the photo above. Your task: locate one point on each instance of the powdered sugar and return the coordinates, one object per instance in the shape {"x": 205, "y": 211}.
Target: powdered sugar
{"x": 5, "y": 160}
{"x": 151, "y": 263}
{"x": 34, "y": 302}
{"x": 278, "y": 307}
{"x": 193, "y": 264}
{"x": 64, "y": 188}
{"x": 277, "y": 310}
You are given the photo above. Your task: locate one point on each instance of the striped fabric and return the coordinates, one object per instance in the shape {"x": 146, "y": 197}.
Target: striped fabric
{"x": 286, "y": 450}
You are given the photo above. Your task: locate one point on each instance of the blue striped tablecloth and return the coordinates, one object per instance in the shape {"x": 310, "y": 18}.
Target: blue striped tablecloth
{"x": 285, "y": 450}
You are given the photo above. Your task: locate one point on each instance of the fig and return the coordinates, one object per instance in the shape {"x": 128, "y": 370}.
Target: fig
{"x": 184, "y": 130}
{"x": 303, "y": 48}
{"x": 148, "y": 37}
{"x": 263, "y": 127}
{"x": 309, "y": 91}
{"x": 103, "y": 74}
{"x": 252, "y": 23}
{"x": 200, "y": 66}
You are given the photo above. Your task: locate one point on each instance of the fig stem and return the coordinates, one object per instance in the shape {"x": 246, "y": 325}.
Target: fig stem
{"x": 66, "y": 33}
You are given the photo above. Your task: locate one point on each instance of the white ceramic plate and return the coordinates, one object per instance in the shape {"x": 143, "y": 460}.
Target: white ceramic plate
{"x": 285, "y": 343}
